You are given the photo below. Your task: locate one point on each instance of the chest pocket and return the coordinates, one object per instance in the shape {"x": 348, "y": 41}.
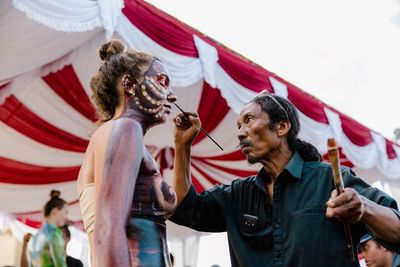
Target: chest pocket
{"x": 253, "y": 215}
{"x": 257, "y": 231}
{"x": 313, "y": 236}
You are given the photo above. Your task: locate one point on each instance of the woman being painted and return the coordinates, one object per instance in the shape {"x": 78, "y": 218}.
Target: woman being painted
{"x": 124, "y": 200}
{"x": 46, "y": 247}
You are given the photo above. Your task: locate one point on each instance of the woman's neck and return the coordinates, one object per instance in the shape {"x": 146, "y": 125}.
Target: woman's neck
{"x": 51, "y": 220}
{"x": 127, "y": 110}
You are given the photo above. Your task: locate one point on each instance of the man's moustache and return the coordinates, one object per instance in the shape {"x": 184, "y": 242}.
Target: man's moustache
{"x": 245, "y": 143}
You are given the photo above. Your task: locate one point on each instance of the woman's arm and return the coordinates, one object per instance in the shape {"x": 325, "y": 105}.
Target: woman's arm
{"x": 122, "y": 161}
{"x": 24, "y": 257}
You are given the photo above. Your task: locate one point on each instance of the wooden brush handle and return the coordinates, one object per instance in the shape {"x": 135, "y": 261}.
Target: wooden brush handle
{"x": 334, "y": 159}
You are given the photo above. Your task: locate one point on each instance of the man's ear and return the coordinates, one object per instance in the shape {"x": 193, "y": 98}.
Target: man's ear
{"x": 282, "y": 128}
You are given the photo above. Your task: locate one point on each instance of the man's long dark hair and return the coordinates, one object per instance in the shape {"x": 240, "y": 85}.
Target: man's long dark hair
{"x": 287, "y": 112}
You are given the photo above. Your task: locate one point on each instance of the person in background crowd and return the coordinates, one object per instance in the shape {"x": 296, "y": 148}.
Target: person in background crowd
{"x": 24, "y": 256}
{"x": 376, "y": 255}
{"x": 71, "y": 261}
{"x": 46, "y": 247}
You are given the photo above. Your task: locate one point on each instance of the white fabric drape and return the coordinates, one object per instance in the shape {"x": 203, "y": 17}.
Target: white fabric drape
{"x": 33, "y": 196}
{"x": 18, "y": 229}
{"x": 73, "y": 15}
{"x": 27, "y": 45}
{"x": 279, "y": 87}
{"x": 17, "y": 146}
{"x": 209, "y": 57}
{"x": 45, "y": 103}
{"x": 184, "y": 70}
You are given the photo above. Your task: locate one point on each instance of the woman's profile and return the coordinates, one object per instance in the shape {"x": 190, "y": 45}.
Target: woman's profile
{"x": 124, "y": 200}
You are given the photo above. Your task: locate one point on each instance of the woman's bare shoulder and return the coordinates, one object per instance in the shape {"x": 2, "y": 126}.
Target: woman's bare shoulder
{"x": 103, "y": 132}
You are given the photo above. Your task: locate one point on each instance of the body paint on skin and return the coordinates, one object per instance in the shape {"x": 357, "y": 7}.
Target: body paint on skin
{"x": 150, "y": 96}
{"x": 133, "y": 192}
{"x": 123, "y": 157}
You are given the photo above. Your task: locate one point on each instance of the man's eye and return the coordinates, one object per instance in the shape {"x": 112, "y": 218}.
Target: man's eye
{"x": 248, "y": 119}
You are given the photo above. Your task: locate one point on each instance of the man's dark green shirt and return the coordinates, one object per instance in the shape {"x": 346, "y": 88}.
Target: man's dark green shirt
{"x": 294, "y": 230}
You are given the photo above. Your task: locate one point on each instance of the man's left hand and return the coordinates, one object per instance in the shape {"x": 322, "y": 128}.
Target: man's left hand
{"x": 348, "y": 207}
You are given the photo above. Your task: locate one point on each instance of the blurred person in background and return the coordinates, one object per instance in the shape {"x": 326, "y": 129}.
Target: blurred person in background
{"x": 376, "y": 255}
{"x": 71, "y": 261}
{"x": 47, "y": 247}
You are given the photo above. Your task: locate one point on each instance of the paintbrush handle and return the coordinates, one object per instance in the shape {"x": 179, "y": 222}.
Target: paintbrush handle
{"x": 334, "y": 159}
{"x": 201, "y": 128}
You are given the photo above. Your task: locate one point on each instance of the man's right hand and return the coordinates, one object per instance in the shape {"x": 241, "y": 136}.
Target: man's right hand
{"x": 187, "y": 127}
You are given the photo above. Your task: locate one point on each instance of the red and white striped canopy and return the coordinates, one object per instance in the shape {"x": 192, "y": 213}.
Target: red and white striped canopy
{"x": 46, "y": 113}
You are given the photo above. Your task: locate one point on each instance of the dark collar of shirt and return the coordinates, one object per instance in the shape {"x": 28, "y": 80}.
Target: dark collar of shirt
{"x": 293, "y": 168}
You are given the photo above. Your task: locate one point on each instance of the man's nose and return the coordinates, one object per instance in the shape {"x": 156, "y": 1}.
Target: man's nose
{"x": 241, "y": 134}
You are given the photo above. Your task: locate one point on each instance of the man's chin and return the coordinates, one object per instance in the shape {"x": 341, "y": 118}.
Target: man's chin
{"x": 251, "y": 159}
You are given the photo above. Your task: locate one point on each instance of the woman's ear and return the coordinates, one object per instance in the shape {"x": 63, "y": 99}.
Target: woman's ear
{"x": 129, "y": 85}
{"x": 283, "y": 128}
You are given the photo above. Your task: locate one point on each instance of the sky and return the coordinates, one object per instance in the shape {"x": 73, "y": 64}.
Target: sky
{"x": 344, "y": 52}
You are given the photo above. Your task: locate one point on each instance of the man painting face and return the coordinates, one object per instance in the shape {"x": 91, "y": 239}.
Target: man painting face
{"x": 254, "y": 133}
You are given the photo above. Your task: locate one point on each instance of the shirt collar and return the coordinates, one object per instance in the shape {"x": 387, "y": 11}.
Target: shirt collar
{"x": 294, "y": 167}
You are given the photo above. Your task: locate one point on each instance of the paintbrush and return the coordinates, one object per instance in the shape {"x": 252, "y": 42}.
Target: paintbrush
{"x": 334, "y": 159}
{"x": 201, "y": 128}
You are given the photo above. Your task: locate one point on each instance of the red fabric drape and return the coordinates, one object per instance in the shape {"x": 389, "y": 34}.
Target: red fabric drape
{"x": 67, "y": 85}
{"x": 199, "y": 188}
{"x": 243, "y": 71}
{"x": 390, "y": 150}
{"x": 355, "y": 131}
{"x": 307, "y": 104}
{"x": 165, "y": 30}
{"x": 16, "y": 115}
{"x": 177, "y": 37}
{"x": 237, "y": 172}
{"x": 16, "y": 172}
{"x": 230, "y": 156}
{"x": 209, "y": 178}
{"x": 212, "y": 110}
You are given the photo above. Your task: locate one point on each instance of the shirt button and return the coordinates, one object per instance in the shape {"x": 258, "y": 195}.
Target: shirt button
{"x": 276, "y": 225}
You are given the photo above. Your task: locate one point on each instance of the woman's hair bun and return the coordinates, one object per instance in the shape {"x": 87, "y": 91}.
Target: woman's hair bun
{"x": 55, "y": 193}
{"x": 111, "y": 48}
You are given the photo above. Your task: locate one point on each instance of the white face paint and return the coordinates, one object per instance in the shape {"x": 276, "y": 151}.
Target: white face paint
{"x": 154, "y": 96}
